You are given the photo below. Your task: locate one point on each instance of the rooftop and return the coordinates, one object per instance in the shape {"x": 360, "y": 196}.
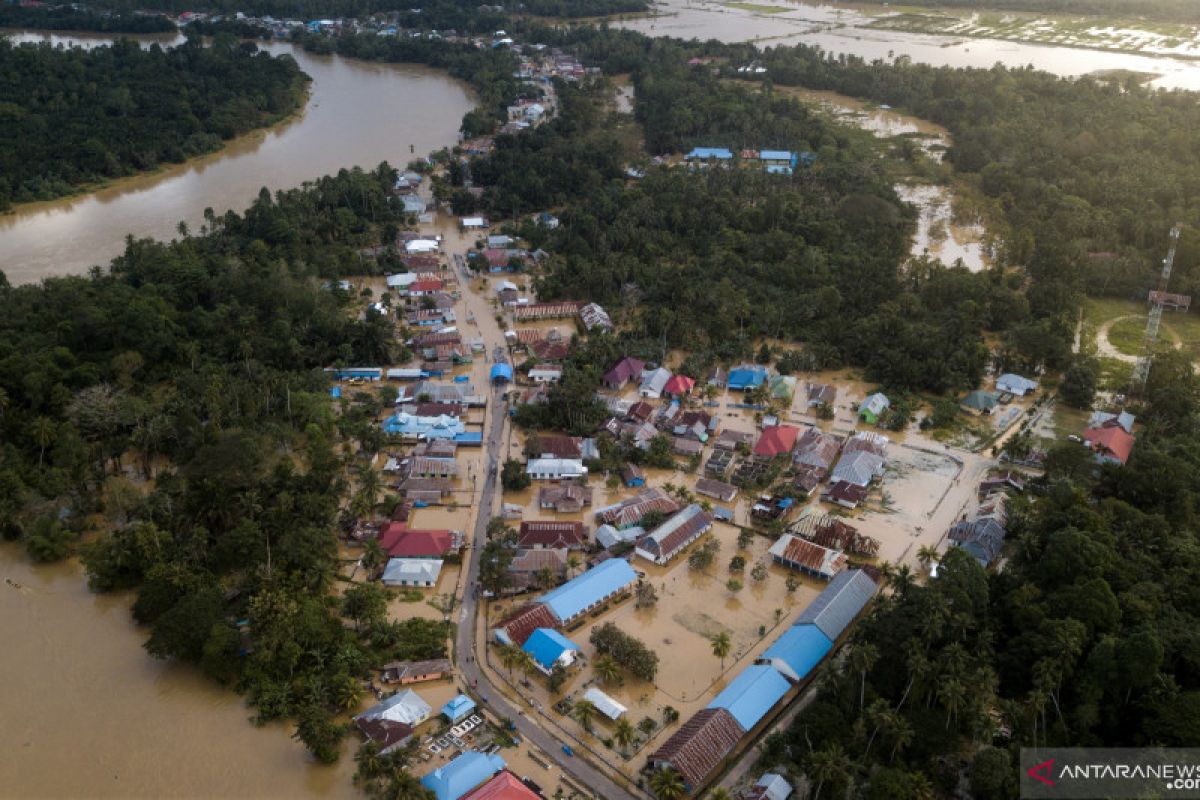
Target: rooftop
{"x": 752, "y": 694}
{"x": 580, "y": 593}
{"x": 462, "y": 774}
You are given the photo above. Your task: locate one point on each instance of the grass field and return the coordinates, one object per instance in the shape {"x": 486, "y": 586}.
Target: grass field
{"x": 1126, "y": 334}
{"x": 757, "y": 8}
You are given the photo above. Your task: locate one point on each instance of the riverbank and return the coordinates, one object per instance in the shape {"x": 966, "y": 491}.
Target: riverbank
{"x": 163, "y": 171}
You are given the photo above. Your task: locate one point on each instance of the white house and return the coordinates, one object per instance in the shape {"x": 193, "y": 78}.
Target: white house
{"x": 422, "y": 246}
{"x": 406, "y": 706}
{"x": 471, "y": 223}
{"x": 554, "y": 469}
{"x": 1015, "y": 384}
{"x": 401, "y": 280}
{"x": 422, "y": 572}
{"x": 654, "y": 382}
{"x": 546, "y": 373}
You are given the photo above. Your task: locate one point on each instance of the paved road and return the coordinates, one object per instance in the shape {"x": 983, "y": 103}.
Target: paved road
{"x": 583, "y": 773}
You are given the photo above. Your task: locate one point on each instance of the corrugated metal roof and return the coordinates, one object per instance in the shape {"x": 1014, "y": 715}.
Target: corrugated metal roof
{"x": 462, "y": 774}
{"x": 842, "y": 600}
{"x": 700, "y": 744}
{"x": 591, "y": 587}
{"x": 797, "y": 651}
{"x": 547, "y": 645}
{"x": 752, "y": 694}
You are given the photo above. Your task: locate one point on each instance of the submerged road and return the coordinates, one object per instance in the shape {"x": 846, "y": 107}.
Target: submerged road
{"x": 467, "y": 632}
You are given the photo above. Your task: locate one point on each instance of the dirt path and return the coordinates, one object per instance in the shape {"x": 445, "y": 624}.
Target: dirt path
{"x": 1105, "y": 348}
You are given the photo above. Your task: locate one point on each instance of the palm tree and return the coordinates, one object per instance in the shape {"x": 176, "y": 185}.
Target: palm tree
{"x": 670, "y": 714}
{"x": 369, "y": 484}
{"x": 903, "y": 580}
{"x": 624, "y": 733}
{"x": 545, "y": 578}
{"x": 373, "y": 557}
{"x": 42, "y": 431}
{"x": 827, "y": 764}
{"x": 510, "y": 654}
{"x": 721, "y": 645}
{"x": 862, "y": 658}
{"x": 720, "y": 793}
{"x": 951, "y": 693}
{"x": 606, "y": 669}
{"x": 573, "y": 563}
{"x": 584, "y": 712}
{"x": 901, "y": 734}
{"x": 927, "y": 554}
{"x": 525, "y": 663}
{"x": 348, "y": 693}
{"x": 370, "y": 762}
{"x": 667, "y": 784}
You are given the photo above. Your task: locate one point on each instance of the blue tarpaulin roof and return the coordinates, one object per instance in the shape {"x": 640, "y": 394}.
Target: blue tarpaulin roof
{"x": 752, "y": 694}
{"x": 797, "y": 651}
{"x": 746, "y": 377}
{"x": 462, "y": 774}
{"x": 577, "y": 594}
{"x": 777, "y": 155}
{"x": 501, "y": 372}
{"x": 547, "y": 645}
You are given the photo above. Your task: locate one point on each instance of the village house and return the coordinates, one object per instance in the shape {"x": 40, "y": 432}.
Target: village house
{"x": 630, "y": 511}
{"x": 414, "y": 572}
{"x": 1104, "y": 419}
{"x": 518, "y": 626}
{"x": 678, "y": 386}
{"x": 845, "y": 494}
{"x": 1112, "y": 445}
{"x": 552, "y": 535}
{"x": 550, "y": 649}
{"x": 546, "y": 373}
{"x": 555, "y": 469}
{"x": 653, "y": 383}
{"x": 565, "y": 498}
{"x": 806, "y": 557}
{"x": 979, "y": 403}
{"x": 400, "y": 541}
{"x": 594, "y": 317}
{"x": 626, "y": 370}
{"x": 633, "y": 476}
{"x": 673, "y": 535}
{"x": 873, "y": 408}
{"x": 718, "y": 490}
{"x": 1015, "y": 385}
{"x": 698, "y": 746}
{"x": 554, "y": 445}
{"x": 746, "y": 378}
{"x": 686, "y": 446}
{"x": 472, "y": 768}
{"x": 731, "y": 439}
{"x": 425, "y": 490}
{"x": 528, "y": 566}
{"x": 776, "y": 441}
{"x": 388, "y": 734}
{"x": 983, "y": 536}
{"x": 504, "y": 786}
{"x": 405, "y": 706}
{"x": 769, "y": 786}
{"x": 405, "y": 672}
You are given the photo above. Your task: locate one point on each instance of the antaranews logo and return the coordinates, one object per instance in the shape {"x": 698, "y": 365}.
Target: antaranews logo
{"x": 1083, "y": 773}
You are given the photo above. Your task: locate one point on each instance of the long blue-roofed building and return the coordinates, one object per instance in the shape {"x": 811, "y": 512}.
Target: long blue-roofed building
{"x": 752, "y": 694}
{"x": 587, "y": 591}
{"x": 797, "y": 651}
{"x": 707, "y": 153}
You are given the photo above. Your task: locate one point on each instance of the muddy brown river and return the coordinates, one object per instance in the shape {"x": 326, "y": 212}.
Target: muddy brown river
{"x": 358, "y": 113}
{"x": 87, "y": 713}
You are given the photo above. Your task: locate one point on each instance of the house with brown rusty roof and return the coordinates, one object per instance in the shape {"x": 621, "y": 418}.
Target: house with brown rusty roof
{"x": 528, "y": 566}
{"x": 520, "y": 625}
{"x": 552, "y": 534}
{"x": 565, "y": 498}
{"x": 699, "y": 746}
{"x": 629, "y": 512}
{"x": 806, "y": 557}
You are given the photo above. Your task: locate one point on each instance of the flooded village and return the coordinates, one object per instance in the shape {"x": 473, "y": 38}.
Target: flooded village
{"x": 659, "y": 593}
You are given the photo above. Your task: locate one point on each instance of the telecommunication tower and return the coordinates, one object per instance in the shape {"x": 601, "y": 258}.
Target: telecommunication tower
{"x": 1141, "y": 370}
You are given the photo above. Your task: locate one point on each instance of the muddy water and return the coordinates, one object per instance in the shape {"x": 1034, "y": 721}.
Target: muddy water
{"x": 87, "y": 713}
{"x": 358, "y": 113}
{"x": 939, "y": 235}
{"x": 837, "y": 29}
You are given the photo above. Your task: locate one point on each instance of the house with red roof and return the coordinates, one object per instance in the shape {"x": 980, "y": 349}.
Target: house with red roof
{"x": 776, "y": 441}
{"x": 1112, "y": 445}
{"x": 400, "y": 541}
{"x": 679, "y": 386}
{"x": 422, "y": 288}
{"x": 505, "y": 786}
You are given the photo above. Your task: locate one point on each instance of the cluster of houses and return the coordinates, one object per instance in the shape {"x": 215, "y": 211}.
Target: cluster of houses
{"x": 776, "y": 162}
{"x": 982, "y": 534}
{"x": 711, "y": 735}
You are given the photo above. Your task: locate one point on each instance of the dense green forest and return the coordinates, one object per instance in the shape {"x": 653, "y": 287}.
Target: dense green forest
{"x": 176, "y": 400}
{"x": 69, "y": 18}
{"x": 1088, "y": 637}
{"x": 71, "y": 117}
{"x": 439, "y": 14}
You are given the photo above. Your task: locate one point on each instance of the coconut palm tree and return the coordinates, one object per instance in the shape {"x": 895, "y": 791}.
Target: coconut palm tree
{"x": 525, "y": 663}
{"x": 348, "y": 693}
{"x": 667, "y": 784}
{"x": 827, "y": 764}
{"x": 573, "y": 563}
{"x": 721, "y": 645}
{"x": 370, "y": 762}
{"x": 927, "y": 554}
{"x": 720, "y": 793}
{"x": 951, "y": 692}
{"x": 624, "y": 733}
{"x": 606, "y": 669}
{"x": 509, "y": 656}
{"x": 862, "y": 658}
{"x": 42, "y": 432}
{"x": 584, "y": 712}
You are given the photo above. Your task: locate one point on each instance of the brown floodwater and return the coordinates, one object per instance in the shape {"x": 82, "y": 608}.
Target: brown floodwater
{"x": 87, "y": 713}
{"x": 359, "y": 113}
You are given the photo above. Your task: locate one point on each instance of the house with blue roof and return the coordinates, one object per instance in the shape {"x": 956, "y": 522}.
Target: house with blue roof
{"x": 501, "y": 373}
{"x": 550, "y": 649}
{"x": 412, "y": 426}
{"x": 587, "y": 591}
{"x": 709, "y": 154}
{"x": 462, "y": 774}
{"x": 752, "y": 694}
{"x": 746, "y": 377}
{"x": 797, "y": 652}
{"x": 458, "y": 708}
